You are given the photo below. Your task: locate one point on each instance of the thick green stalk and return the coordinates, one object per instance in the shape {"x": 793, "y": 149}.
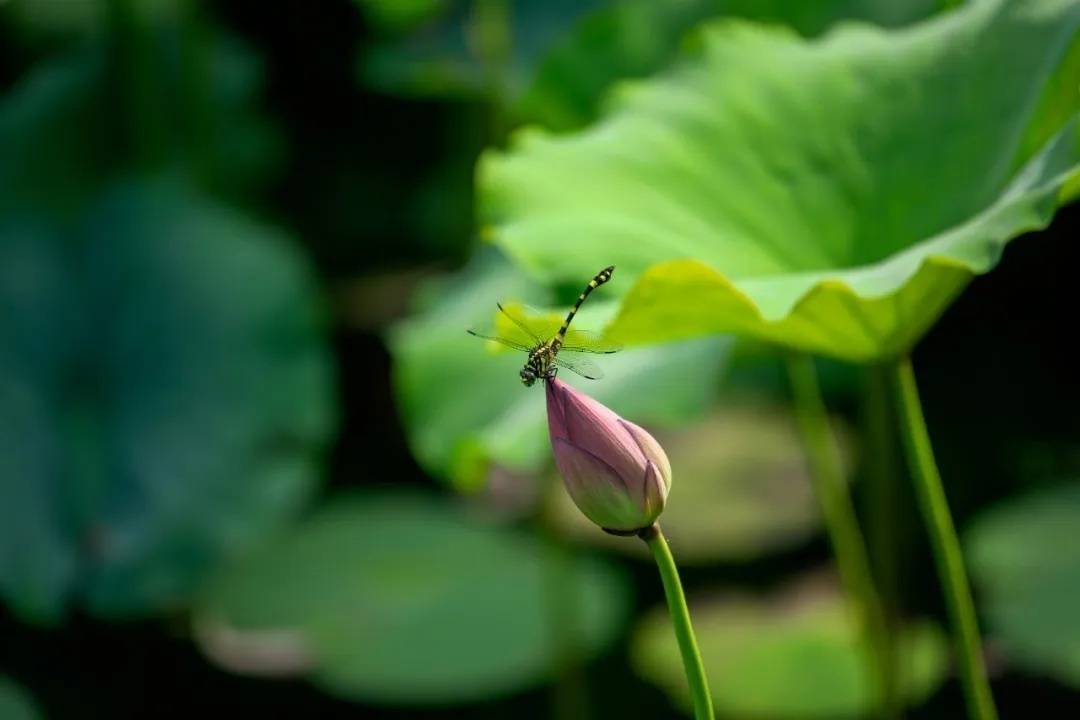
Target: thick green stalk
{"x": 846, "y": 539}
{"x": 882, "y": 529}
{"x": 680, "y": 618}
{"x": 944, "y": 543}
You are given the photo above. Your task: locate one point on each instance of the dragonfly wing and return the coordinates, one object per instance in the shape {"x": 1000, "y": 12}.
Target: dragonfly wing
{"x": 502, "y": 340}
{"x": 538, "y": 325}
{"x": 583, "y": 366}
{"x": 589, "y": 342}
{"x": 508, "y": 327}
{"x": 519, "y": 320}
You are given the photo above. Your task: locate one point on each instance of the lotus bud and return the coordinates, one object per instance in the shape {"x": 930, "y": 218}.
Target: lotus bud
{"x": 616, "y": 473}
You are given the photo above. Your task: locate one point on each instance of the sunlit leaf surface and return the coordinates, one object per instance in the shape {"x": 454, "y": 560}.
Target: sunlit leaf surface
{"x": 165, "y": 397}
{"x": 1023, "y": 556}
{"x": 634, "y": 38}
{"x": 794, "y": 655}
{"x": 402, "y": 598}
{"x": 830, "y": 195}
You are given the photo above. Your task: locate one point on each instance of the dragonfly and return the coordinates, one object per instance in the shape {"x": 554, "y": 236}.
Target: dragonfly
{"x": 545, "y": 339}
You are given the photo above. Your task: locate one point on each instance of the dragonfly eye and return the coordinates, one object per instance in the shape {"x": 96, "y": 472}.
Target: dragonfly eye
{"x": 528, "y": 377}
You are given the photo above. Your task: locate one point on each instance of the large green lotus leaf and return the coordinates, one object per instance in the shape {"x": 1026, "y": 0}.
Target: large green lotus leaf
{"x": 406, "y": 598}
{"x": 165, "y": 395}
{"x": 793, "y": 655}
{"x": 1023, "y": 557}
{"x": 740, "y": 490}
{"x": 830, "y": 195}
{"x": 635, "y": 38}
{"x": 463, "y": 403}
{"x": 15, "y": 702}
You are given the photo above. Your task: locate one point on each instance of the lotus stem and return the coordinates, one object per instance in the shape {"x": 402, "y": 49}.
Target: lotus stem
{"x": 882, "y": 530}
{"x": 944, "y": 544}
{"x": 841, "y": 522}
{"x": 680, "y": 618}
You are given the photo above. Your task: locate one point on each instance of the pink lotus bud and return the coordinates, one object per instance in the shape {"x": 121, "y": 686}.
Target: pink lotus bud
{"x": 616, "y": 473}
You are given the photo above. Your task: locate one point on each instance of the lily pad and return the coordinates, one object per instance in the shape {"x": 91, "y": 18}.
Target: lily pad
{"x": 165, "y": 397}
{"x": 1022, "y": 556}
{"x": 15, "y": 702}
{"x": 408, "y": 599}
{"x": 741, "y": 490}
{"x": 464, "y": 406}
{"x": 831, "y": 195}
{"x": 795, "y": 655}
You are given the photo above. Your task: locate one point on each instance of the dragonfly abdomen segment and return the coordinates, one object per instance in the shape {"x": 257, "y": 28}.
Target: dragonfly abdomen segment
{"x": 599, "y": 279}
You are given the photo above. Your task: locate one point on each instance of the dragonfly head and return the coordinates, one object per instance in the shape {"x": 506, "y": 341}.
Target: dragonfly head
{"x": 528, "y": 376}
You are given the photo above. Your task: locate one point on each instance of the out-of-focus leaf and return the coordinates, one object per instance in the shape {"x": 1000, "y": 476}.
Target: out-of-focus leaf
{"x": 83, "y": 17}
{"x": 740, "y": 490}
{"x": 15, "y": 702}
{"x": 447, "y": 58}
{"x": 397, "y": 16}
{"x": 406, "y": 599}
{"x": 165, "y": 395}
{"x": 795, "y": 655}
{"x": 464, "y": 406}
{"x": 224, "y": 128}
{"x": 47, "y": 120}
{"x": 60, "y": 123}
{"x": 1023, "y": 557}
{"x": 833, "y": 196}
{"x": 566, "y": 57}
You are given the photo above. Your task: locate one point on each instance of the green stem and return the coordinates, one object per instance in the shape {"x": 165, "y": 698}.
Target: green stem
{"x": 883, "y": 536}
{"x": 680, "y": 618}
{"x": 847, "y": 542}
{"x": 944, "y": 543}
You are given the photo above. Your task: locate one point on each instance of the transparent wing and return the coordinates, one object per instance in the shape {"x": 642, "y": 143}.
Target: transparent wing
{"x": 583, "y": 366}
{"x": 511, "y": 326}
{"x": 542, "y": 326}
{"x": 589, "y": 342}
{"x": 504, "y": 341}
{"x": 522, "y": 327}
{"x": 532, "y": 323}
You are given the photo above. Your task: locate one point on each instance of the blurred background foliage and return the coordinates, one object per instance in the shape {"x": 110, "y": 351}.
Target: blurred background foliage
{"x": 249, "y": 459}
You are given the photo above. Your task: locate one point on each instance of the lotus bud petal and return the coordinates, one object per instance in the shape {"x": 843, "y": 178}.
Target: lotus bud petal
{"x": 615, "y": 472}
